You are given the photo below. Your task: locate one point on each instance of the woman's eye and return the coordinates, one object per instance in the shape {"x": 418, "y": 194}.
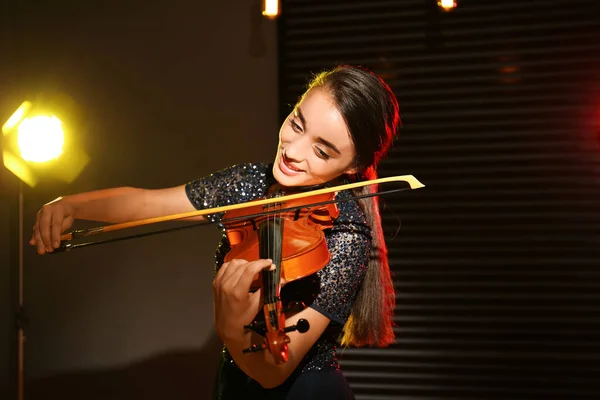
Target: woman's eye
{"x": 321, "y": 153}
{"x": 295, "y": 126}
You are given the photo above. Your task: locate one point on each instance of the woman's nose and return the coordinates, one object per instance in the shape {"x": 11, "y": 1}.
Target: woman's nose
{"x": 294, "y": 150}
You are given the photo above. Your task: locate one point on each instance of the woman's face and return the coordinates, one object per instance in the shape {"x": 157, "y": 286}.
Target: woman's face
{"x": 314, "y": 143}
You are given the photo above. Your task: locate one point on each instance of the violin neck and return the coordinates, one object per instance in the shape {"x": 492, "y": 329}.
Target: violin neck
{"x": 270, "y": 242}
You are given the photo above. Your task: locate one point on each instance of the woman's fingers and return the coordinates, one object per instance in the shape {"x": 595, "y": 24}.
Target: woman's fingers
{"x": 227, "y": 268}
{"x": 39, "y": 243}
{"x": 45, "y": 227}
{"x": 236, "y": 276}
{"x": 249, "y": 272}
{"x": 50, "y": 222}
{"x": 58, "y": 220}
{"x": 56, "y": 228}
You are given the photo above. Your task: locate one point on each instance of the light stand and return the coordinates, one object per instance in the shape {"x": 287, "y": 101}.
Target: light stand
{"x": 29, "y": 170}
{"x": 20, "y": 312}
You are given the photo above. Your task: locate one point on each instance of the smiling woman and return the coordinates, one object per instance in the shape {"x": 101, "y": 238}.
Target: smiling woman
{"x": 338, "y": 132}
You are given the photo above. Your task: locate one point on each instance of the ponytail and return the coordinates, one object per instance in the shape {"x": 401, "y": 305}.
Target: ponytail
{"x": 372, "y": 115}
{"x": 370, "y": 322}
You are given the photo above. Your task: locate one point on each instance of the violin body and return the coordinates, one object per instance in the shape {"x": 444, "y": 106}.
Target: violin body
{"x": 295, "y": 241}
{"x": 304, "y": 250}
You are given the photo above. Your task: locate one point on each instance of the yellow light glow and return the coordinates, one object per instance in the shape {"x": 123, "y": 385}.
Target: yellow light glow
{"x": 447, "y": 5}
{"x": 271, "y": 8}
{"x": 40, "y": 138}
{"x": 16, "y": 117}
{"x": 18, "y": 167}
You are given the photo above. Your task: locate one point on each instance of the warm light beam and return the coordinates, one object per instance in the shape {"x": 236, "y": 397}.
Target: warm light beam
{"x": 16, "y": 117}
{"x": 39, "y": 141}
{"x": 40, "y": 138}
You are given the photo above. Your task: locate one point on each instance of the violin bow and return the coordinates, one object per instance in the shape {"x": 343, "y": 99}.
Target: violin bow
{"x": 75, "y": 234}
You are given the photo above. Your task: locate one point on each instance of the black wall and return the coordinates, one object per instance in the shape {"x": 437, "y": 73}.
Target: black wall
{"x": 496, "y": 262}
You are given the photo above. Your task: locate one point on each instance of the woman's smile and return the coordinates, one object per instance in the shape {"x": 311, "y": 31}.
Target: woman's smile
{"x": 287, "y": 167}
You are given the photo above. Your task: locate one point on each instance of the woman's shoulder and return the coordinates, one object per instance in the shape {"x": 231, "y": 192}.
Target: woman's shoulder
{"x": 239, "y": 176}
{"x": 244, "y": 171}
{"x": 351, "y": 213}
{"x": 234, "y": 184}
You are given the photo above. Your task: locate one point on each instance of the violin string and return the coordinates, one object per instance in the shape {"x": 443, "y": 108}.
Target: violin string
{"x": 278, "y": 268}
{"x": 276, "y": 248}
{"x": 271, "y": 220}
{"x": 271, "y": 249}
{"x": 275, "y": 251}
{"x": 270, "y": 236}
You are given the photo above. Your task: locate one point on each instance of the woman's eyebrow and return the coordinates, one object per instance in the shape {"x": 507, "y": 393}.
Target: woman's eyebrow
{"x": 328, "y": 144}
{"x": 301, "y": 116}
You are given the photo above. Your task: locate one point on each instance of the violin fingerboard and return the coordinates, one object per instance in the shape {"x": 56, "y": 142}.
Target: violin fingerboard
{"x": 270, "y": 243}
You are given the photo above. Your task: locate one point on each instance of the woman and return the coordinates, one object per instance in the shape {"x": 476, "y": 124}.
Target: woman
{"x": 338, "y": 132}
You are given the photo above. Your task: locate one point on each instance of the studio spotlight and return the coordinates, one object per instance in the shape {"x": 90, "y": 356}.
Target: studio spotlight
{"x": 39, "y": 139}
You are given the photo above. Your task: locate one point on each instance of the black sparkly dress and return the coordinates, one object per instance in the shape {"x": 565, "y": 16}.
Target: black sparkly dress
{"x": 330, "y": 291}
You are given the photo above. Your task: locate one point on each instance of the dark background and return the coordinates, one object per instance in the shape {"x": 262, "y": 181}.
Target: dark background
{"x": 169, "y": 91}
{"x": 496, "y": 264}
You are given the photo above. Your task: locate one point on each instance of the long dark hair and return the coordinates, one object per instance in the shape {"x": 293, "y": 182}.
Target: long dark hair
{"x": 370, "y": 110}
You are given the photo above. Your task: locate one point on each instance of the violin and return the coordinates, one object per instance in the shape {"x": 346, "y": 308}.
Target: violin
{"x": 295, "y": 241}
{"x": 287, "y": 229}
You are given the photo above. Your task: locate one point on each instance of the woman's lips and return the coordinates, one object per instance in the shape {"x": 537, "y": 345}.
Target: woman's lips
{"x": 286, "y": 168}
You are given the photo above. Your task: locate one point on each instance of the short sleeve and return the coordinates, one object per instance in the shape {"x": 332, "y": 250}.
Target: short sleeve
{"x": 232, "y": 185}
{"x": 349, "y": 244}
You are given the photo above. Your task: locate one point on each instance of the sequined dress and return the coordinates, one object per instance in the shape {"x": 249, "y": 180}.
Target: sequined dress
{"x": 330, "y": 291}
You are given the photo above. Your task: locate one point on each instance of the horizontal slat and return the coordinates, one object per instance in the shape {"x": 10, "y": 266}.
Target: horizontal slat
{"x": 495, "y": 262}
{"x": 392, "y": 352}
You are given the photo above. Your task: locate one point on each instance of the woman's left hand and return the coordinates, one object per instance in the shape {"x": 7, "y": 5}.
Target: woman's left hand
{"x": 234, "y": 305}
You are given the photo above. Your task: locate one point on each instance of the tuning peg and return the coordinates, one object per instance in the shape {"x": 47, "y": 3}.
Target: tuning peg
{"x": 257, "y": 326}
{"x": 301, "y": 326}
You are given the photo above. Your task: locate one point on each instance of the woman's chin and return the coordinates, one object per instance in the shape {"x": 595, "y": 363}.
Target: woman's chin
{"x": 285, "y": 180}
{"x": 289, "y": 180}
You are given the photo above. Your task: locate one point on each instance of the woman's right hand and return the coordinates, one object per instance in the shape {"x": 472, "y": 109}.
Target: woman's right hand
{"x": 115, "y": 205}
{"x": 50, "y": 222}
